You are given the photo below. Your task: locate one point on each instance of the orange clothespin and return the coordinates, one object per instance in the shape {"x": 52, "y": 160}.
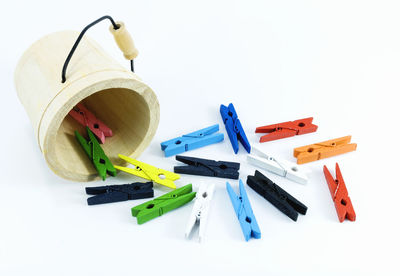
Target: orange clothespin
{"x": 324, "y": 149}
{"x": 343, "y": 205}
{"x": 86, "y": 118}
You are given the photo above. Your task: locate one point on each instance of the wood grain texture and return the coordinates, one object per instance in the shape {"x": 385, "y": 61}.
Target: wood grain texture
{"x": 114, "y": 94}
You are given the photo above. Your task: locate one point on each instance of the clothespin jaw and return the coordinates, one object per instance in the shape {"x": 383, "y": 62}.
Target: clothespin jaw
{"x": 191, "y": 141}
{"x": 244, "y": 212}
{"x": 149, "y": 172}
{"x": 206, "y": 167}
{"x": 324, "y": 149}
{"x": 96, "y": 154}
{"x": 283, "y": 168}
{"x": 277, "y": 196}
{"x": 117, "y": 193}
{"x": 83, "y": 116}
{"x": 163, "y": 204}
{"x": 234, "y": 128}
{"x": 200, "y": 210}
{"x": 337, "y": 187}
{"x": 286, "y": 129}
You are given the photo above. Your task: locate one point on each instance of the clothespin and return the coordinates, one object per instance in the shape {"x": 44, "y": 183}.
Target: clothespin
{"x": 117, "y": 193}
{"x": 200, "y": 210}
{"x": 286, "y": 129}
{"x": 243, "y": 211}
{"x": 149, "y": 172}
{"x": 163, "y": 204}
{"x": 234, "y": 128}
{"x": 324, "y": 149}
{"x": 277, "y": 196}
{"x": 206, "y": 167}
{"x": 280, "y": 167}
{"x": 343, "y": 205}
{"x": 81, "y": 114}
{"x": 96, "y": 154}
{"x": 191, "y": 141}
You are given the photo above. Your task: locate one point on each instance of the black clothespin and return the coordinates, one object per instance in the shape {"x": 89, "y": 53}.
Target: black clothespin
{"x": 116, "y": 193}
{"x": 277, "y": 196}
{"x": 206, "y": 167}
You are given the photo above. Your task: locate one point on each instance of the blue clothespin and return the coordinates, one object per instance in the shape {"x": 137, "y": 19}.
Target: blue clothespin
{"x": 234, "y": 127}
{"x": 243, "y": 210}
{"x": 194, "y": 140}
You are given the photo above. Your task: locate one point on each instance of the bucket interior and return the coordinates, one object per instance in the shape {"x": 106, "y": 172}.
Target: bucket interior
{"x": 123, "y": 110}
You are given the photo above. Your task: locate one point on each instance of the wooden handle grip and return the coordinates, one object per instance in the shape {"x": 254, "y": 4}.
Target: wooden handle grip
{"x": 124, "y": 41}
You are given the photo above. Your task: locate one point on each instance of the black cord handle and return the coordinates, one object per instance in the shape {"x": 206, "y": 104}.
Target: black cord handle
{"x": 115, "y": 26}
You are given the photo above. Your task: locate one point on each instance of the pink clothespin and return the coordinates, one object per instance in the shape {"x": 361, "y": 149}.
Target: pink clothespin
{"x": 86, "y": 118}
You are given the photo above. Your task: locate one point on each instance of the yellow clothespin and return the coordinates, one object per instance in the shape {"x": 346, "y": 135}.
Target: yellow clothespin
{"x": 149, "y": 172}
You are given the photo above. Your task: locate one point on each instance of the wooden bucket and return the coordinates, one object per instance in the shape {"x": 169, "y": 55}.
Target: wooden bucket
{"x": 110, "y": 91}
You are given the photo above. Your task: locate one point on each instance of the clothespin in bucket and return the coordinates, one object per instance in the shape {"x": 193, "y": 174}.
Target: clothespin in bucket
{"x": 283, "y": 168}
{"x": 200, "y": 210}
{"x": 242, "y": 207}
{"x": 234, "y": 128}
{"x": 324, "y": 149}
{"x": 163, "y": 204}
{"x": 83, "y": 116}
{"x": 96, "y": 154}
{"x": 340, "y": 196}
{"x": 286, "y": 129}
{"x": 149, "y": 172}
{"x": 191, "y": 141}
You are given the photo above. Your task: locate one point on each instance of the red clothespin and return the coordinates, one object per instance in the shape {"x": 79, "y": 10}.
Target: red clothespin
{"x": 340, "y": 197}
{"x": 86, "y": 118}
{"x": 286, "y": 129}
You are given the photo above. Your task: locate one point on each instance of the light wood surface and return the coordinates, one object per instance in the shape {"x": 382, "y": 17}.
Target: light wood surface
{"x": 113, "y": 93}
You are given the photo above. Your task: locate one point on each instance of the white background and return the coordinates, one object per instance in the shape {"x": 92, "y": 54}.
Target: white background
{"x": 338, "y": 61}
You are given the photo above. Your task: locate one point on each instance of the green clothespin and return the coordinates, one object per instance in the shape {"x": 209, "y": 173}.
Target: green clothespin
{"x": 163, "y": 204}
{"x": 96, "y": 154}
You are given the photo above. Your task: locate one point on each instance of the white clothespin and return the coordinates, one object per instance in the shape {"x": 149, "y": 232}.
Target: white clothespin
{"x": 280, "y": 167}
{"x": 200, "y": 210}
